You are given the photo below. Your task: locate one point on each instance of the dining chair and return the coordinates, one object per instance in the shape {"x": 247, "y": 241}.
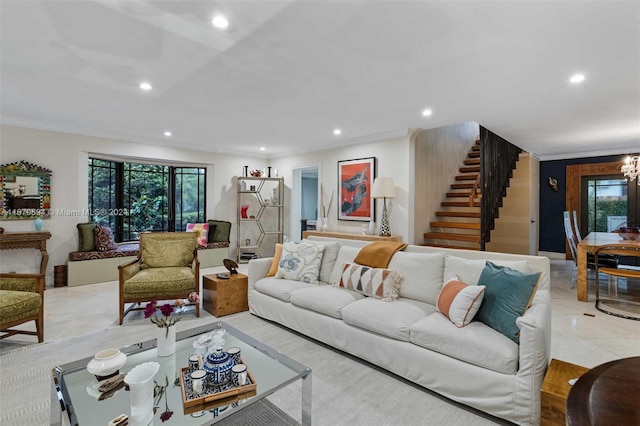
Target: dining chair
{"x": 628, "y": 307}
{"x": 573, "y": 246}
{"x": 608, "y": 260}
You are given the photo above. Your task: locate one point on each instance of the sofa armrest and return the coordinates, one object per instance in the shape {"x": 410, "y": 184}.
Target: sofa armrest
{"x": 258, "y": 269}
{"x": 129, "y": 269}
{"x": 33, "y": 283}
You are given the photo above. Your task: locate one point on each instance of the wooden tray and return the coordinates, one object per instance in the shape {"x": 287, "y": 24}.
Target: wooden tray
{"x": 216, "y": 399}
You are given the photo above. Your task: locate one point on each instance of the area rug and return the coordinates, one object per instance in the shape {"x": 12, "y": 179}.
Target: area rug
{"x": 345, "y": 390}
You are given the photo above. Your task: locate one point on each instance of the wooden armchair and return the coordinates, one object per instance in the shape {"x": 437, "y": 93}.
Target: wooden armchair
{"x": 21, "y": 300}
{"x": 167, "y": 267}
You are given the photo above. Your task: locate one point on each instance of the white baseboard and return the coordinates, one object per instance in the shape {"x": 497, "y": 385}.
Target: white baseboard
{"x": 553, "y": 255}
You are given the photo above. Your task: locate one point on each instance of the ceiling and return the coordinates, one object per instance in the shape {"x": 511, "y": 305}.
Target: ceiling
{"x": 285, "y": 74}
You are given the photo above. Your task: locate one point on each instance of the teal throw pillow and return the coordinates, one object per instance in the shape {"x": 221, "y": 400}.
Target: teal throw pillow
{"x": 86, "y": 236}
{"x": 507, "y": 296}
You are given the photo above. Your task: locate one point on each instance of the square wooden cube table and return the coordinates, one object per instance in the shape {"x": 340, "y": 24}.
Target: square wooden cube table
{"x": 223, "y": 297}
{"x": 555, "y": 390}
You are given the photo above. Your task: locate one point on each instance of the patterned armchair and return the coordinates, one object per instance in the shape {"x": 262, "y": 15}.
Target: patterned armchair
{"x": 167, "y": 268}
{"x": 21, "y": 300}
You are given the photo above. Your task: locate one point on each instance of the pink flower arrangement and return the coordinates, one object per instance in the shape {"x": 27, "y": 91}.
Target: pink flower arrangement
{"x": 162, "y": 315}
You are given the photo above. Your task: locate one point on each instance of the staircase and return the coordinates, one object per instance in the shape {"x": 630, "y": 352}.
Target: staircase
{"x": 458, "y": 224}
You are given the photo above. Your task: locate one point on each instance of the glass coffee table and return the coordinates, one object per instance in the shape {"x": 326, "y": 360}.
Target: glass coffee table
{"x": 79, "y": 395}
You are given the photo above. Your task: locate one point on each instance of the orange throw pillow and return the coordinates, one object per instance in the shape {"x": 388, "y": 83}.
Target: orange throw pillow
{"x": 276, "y": 260}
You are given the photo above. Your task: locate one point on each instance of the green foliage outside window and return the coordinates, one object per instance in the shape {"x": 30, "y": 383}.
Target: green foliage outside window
{"x": 132, "y": 198}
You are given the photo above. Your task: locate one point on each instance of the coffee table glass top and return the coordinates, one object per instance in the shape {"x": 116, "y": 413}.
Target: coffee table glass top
{"x": 271, "y": 370}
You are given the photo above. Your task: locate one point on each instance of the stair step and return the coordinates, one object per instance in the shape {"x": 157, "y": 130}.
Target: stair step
{"x": 472, "y": 161}
{"x": 459, "y": 204}
{"x": 470, "y": 169}
{"x": 461, "y": 194}
{"x": 470, "y": 176}
{"x": 457, "y": 225}
{"x": 467, "y": 185}
{"x": 474, "y": 154}
{"x": 451, "y": 247}
{"x": 454, "y": 237}
{"x": 458, "y": 214}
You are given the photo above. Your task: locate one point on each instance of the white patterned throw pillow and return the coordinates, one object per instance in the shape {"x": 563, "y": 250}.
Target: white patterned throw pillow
{"x": 300, "y": 262}
{"x": 381, "y": 283}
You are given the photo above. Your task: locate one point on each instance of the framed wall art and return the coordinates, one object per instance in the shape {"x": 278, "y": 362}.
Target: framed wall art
{"x": 355, "y": 179}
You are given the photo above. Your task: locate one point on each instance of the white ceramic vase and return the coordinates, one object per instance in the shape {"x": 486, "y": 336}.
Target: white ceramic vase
{"x": 141, "y": 384}
{"x": 166, "y": 341}
{"x": 324, "y": 223}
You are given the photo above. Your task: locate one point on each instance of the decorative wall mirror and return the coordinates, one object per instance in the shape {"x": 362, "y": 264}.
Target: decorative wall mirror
{"x": 25, "y": 191}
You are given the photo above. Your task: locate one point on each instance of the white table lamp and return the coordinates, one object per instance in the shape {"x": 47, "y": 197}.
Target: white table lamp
{"x": 383, "y": 188}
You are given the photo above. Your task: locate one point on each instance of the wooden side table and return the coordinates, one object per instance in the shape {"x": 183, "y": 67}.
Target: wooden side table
{"x": 555, "y": 390}
{"x": 223, "y": 297}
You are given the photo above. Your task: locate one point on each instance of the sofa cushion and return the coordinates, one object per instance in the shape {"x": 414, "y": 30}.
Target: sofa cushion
{"x": 276, "y": 260}
{"x": 346, "y": 254}
{"x": 508, "y": 294}
{"x": 388, "y": 319}
{"x": 324, "y": 299}
{"x": 154, "y": 281}
{"x": 460, "y": 301}
{"x": 469, "y": 270}
{"x": 158, "y": 250}
{"x": 86, "y": 236}
{"x": 300, "y": 262}
{"x": 329, "y": 256}
{"x": 16, "y": 305}
{"x": 220, "y": 232}
{"x": 422, "y": 273}
{"x": 202, "y": 232}
{"x": 279, "y": 288}
{"x": 376, "y": 282}
{"x": 476, "y": 344}
{"x": 211, "y": 232}
{"x": 104, "y": 239}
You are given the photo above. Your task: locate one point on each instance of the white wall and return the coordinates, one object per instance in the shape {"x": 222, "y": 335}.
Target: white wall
{"x": 438, "y": 154}
{"x": 393, "y": 157}
{"x": 66, "y": 156}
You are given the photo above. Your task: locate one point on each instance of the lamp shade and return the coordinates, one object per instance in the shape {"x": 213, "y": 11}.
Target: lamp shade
{"x": 383, "y": 187}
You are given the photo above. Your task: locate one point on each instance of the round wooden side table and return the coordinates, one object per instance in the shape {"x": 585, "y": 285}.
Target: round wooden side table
{"x": 606, "y": 395}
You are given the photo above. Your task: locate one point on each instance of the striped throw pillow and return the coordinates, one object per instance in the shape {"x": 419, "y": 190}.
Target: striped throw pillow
{"x": 381, "y": 283}
{"x": 459, "y": 301}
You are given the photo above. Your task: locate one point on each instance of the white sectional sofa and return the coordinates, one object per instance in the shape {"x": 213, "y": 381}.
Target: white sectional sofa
{"x": 474, "y": 365}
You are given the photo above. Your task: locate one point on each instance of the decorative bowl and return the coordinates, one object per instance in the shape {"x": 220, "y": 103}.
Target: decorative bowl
{"x": 629, "y": 233}
{"x": 106, "y": 363}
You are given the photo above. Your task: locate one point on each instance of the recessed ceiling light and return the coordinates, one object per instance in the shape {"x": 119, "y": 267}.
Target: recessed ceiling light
{"x": 145, "y": 86}
{"x": 220, "y": 21}
{"x": 262, "y": 148}
{"x": 427, "y": 112}
{"x": 337, "y": 132}
{"x": 167, "y": 133}
{"x": 577, "y": 78}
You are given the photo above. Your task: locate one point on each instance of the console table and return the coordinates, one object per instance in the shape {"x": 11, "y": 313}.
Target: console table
{"x": 351, "y": 236}
{"x": 23, "y": 240}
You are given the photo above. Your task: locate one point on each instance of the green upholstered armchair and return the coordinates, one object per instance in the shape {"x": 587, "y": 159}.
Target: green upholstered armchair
{"x": 21, "y": 300}
{"x": 167, "y": 267}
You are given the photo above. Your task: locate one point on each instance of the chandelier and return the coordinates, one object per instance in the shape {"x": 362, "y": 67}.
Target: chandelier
{"x": 631, "y": 167}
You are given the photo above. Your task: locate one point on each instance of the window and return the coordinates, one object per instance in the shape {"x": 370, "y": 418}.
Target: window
{"x": 132, "y": 198}
{"x": 606, "y": 203}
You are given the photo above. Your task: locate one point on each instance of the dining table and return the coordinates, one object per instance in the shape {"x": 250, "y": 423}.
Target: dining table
{"x": 588, "y": 245}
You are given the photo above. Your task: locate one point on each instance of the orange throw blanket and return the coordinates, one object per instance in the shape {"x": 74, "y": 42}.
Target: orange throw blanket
{"x": 379, "y": 253}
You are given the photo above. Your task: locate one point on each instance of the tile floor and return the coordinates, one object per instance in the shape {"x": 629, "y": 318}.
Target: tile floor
{"x": 576, "y": 337}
